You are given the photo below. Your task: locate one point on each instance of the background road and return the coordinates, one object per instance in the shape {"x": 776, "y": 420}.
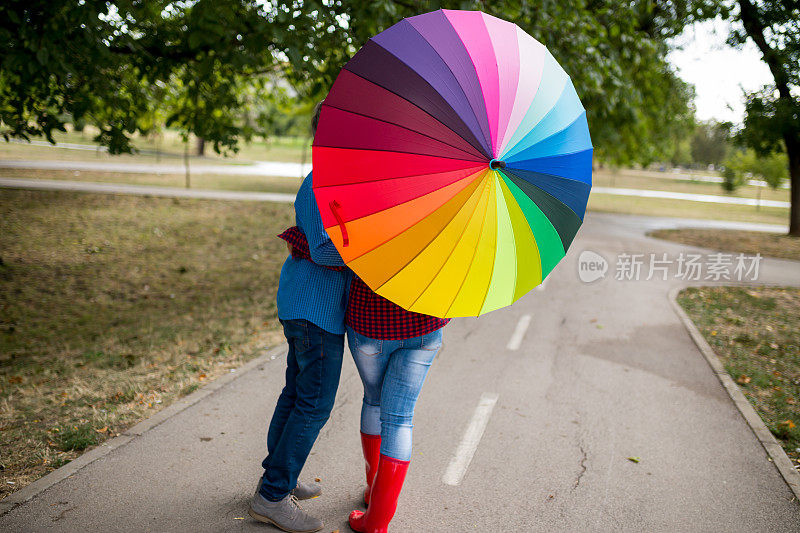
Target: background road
{"x": 604, "y": 371}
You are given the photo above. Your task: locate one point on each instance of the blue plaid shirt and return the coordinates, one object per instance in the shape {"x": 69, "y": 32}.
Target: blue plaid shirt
{"x": 307, "y": 290}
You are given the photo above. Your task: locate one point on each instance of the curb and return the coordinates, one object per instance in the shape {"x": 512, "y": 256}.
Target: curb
{"x": 776, "y": 454}
{"x": 15, "y": 499}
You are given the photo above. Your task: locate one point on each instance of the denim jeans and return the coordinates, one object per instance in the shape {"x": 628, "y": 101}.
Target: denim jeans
{"x": 392, "y": 372}
{"x": 313, "y": 367}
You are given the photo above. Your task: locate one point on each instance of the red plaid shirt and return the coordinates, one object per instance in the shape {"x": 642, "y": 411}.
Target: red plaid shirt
{"x": 297, "y": 239}
{"x": 376, "y": 317}
{"x": 368, "y": 313}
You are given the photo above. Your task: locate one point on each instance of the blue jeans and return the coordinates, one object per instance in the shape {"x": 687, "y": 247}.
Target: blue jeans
{"x": 392, "y": 372}
{"x": 313, "y": 367}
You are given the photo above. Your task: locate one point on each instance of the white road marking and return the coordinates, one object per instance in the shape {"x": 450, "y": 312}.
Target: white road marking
{"x": 519, "y": 333}
{"x": 469, "y": 442}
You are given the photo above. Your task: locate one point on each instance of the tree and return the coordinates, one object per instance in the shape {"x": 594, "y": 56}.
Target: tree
{"x": 772, "y": 121}
{"x": 107, "y": 63}
{"x": 743, "y": 164}
{"x": 113, "y": 64}
{"x": 710, "y": 142}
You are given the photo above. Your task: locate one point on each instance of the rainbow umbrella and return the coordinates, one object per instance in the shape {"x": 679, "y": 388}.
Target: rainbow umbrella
{"x": 452, "y": 163}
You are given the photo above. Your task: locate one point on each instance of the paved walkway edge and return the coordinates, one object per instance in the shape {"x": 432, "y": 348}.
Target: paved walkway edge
{"x": 776, "y": 454}
{"x": 143, "y": 190}
{"x": 27, "y": 493}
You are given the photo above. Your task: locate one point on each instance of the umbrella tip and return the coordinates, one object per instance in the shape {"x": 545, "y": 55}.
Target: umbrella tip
{"x": 495, "y": 164}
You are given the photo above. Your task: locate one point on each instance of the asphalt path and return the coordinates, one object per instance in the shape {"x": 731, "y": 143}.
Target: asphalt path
{"x": 258, "y": 168}
{"x": 526, "y": 423}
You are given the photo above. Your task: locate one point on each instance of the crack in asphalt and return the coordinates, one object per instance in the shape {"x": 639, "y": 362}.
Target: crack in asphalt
{"x": 583, "y": 467}
{"x": 62, "y": 513}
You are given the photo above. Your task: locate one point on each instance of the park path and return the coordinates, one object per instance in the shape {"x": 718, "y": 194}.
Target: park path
{"x": 258, "y": 168}
{"x": 567, "y": 384}
{"x": 284, "y": 169}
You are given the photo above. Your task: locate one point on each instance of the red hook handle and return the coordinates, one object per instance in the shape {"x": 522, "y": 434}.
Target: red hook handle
{"x": 335, "y": 206}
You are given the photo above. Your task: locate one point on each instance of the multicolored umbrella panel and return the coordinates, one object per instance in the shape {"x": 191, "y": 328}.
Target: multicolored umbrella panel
{"x": 452, "y": 163}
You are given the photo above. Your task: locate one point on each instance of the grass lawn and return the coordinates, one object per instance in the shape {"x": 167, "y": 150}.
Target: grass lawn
{"x": 633, "y": 205}
{"x": 665, "y": 181}
{"x": 748, "y": 242}
{"x": 754, "y": 333}
{"x": 111, "y": 307}
{"x": 198, "y": 181}
{"x": 167, "y": 149}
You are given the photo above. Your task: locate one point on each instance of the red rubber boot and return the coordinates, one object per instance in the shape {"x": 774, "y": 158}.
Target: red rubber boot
{"x": 371, "y": 446}
{"x": 383, "y": 498}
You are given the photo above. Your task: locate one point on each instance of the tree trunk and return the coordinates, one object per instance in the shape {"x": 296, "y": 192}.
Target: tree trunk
{"x": 186, "y": 163}
{"x": 201, "y": 146}
{"x": 793, "y": 151}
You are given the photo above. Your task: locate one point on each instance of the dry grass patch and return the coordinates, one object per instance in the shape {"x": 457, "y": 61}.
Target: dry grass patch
{"x": 754, "y": 333}
{"x": 662, "y": 207}
{"x": 748, "y": 242}
{"x": 667, "y": 181}
{"x": 225, "y": 182}
{"x": 111, "y": 307}
{"x": 168, "y": 148}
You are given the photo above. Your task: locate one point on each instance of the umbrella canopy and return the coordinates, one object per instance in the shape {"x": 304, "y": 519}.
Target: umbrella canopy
{"x": 452, "y": 163}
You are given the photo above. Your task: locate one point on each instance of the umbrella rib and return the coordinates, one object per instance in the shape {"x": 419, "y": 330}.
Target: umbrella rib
{"x": 389, "y": 178}
{"x": 540, "y": 141}
{"x": 511, "y": 167}
{"x": 497, "y": 244}
{"x": 463, "y": 92}
{"x": 404, "y": 152}
{"x": 417, "y": 222}
{"x": 550, "y": 112}
{"x": 478, "y": 148}
{"x": 471, "y": 264}
{"x": 407, "y": 129}
{"x": 544, "y": 191}
{"x": 461, "y": 236}
{"x": 510, "y": 164}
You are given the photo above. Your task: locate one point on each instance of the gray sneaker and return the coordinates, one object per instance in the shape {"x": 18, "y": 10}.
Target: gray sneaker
{"x": 285, "y": 514}
{"x": 306, "y": 491}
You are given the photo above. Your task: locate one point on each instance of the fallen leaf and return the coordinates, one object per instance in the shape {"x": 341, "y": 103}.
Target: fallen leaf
{"x": 714, "y": 333}
{"x": 791, "y": 401}
{"x": 201, "y": 377}
{"x": 15, "y": 379}
{"x": 317, "y": 479}
{"x": 102, "y": 429}
{"x": 788, "y": 424}
{"x": 634, "y": 459}
{"x": 744, "y": 380}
